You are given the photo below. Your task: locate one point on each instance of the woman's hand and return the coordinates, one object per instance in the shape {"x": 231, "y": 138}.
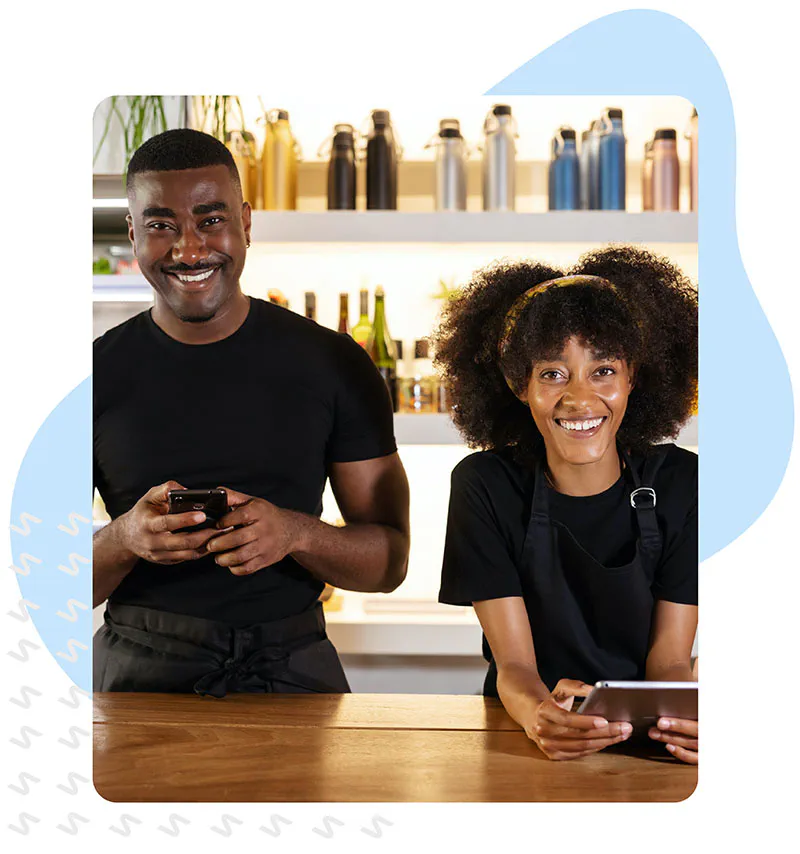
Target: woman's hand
{"x": 563, "y": 734}
{"x": 679, "y": 736}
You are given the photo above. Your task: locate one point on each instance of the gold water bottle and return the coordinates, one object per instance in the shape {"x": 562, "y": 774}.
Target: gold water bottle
{"x": 279, "y": 163}
{"x": 241, "y": 144}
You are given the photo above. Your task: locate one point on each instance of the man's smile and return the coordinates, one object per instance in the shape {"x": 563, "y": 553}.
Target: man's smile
{"x": 195, "y": 281}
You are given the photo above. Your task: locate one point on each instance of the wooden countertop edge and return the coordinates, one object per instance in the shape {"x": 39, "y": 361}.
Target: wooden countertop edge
{"x": 273, "y": 725}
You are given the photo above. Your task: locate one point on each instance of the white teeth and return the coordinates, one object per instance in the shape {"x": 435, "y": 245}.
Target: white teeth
{"x": 197, "y": 278}
{"x": 589, "y": 424}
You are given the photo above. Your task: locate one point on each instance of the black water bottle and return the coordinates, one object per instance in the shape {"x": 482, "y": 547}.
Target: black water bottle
{"x": 381, "y": 163}
{"x": 342, "y": 170}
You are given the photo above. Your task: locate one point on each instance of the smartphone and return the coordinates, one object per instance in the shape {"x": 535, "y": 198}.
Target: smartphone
{"x": 212, "y": 502}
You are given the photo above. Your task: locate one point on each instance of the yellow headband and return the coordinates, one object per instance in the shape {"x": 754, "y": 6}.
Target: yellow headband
{"x": 522, "y": 301}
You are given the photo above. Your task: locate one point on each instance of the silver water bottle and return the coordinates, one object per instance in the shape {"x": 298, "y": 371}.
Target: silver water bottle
{"x": 499, "y": 159}
{"x": 451, "y": 166}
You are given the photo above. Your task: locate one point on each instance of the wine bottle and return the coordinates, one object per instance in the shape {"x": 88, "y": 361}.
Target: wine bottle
{"x": 381, "y": 348}
{"x": 363, "y": 328}
{"x": 344, "y": 315}
{"x": 311, "y": 305}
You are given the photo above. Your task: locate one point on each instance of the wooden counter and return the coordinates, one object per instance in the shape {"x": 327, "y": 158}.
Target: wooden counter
{"x": 352, "y": 747}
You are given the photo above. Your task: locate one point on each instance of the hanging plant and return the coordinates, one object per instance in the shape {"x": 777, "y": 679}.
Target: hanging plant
{"x": 219, "y": 114}
{"x": 145, "y": 118}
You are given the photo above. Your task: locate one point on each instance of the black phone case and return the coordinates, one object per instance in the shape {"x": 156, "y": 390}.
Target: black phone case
{"x": 212, "y": 502}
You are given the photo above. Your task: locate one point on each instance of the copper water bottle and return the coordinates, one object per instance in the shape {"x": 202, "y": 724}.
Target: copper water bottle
{"x": 666, "y": 170}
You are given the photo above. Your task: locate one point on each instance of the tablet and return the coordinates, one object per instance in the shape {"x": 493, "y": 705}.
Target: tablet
{"x": 641, "y": 703}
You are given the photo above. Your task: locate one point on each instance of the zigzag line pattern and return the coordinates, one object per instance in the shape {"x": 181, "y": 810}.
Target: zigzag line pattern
{"x": 74, "y": 731}
{"x": 72, "y": 818}
{"x": 173, "y": 823}
{"x": 73, "y": 568}
{"x": 73, "y": 530}
{"x": 72, "y": 645}
{"x": 22, "y": 614}
{"x": 25, "y": 559}
{"x": 72, "y": 777}
{"x": 27, "y": 692}
{"x": 377, "y": 831}
{"x": 125, "y": 820}
{"x": 274, "y": 819}
{"x": 76, "y": 693}
{"x": 72, "y": 604}
{"x": 227, "y": 820}
{"x": 24, "y": 818}
{"x": 24, "y": 645}
{"x": 328, "y": 821}
{"x": 25, "y": 732}
{"x": 24, "y": 788}
{"x": 24, "y": 529}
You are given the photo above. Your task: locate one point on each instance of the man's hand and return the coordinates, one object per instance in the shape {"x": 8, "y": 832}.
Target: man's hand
{"x": 679, "y": 736}
{"x": 563, "y": 734}
{"x": 147, "y": 530}
{"x": 264, "y": 534}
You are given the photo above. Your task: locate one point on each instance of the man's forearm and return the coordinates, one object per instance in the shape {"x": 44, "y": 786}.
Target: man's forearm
{"x": 111, "y": 562}
{"x": 364, "y": 557}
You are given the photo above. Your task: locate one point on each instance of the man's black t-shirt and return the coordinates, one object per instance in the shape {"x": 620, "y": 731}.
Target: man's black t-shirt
{"x": 490, "y": 508}
{"x": 264, "y": 411}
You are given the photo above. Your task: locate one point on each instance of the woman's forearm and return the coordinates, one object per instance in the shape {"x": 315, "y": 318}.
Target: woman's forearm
{"x": 521, "y": 690}
{"x": 669, "y": 671}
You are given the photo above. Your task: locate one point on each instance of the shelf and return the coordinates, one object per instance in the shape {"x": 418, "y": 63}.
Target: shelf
{"x": 473, "y": 227}
{"x": 595, "y": 227}
{"x": 433, "y": 429}
{"x": 125, "y": 288}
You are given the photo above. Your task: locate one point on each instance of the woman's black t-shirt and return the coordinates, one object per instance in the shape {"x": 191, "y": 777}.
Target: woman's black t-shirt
{"x": 490, "y": 508}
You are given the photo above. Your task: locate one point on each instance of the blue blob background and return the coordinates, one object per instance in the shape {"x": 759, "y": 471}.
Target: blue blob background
{"x": 615, "y": 55}
{"x": 652, "y": 53}
{"x": 54, "y": 481}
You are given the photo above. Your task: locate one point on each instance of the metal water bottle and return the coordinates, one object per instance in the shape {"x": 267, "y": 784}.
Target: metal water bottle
{"x": 584, "y": 170}
{"x": 647, "y": 177}
{"x": 612, "y": 161}
{"x": 589, "y": 167}
{"x": 451, "y": 166}
{"x": 242, "y": 146}
{"x": 692, "y": 136}
{"x": 499, "y": 159}
{"x": 279, "y": 163}
{"x": 342, "y": 170}
{"x": 666, "y": 170}
{"x": 564, "y": 183}
{"x": 382, "y": 156}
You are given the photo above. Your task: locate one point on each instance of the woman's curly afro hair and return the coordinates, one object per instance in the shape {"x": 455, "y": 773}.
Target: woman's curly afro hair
{"x": 651, "y": 320}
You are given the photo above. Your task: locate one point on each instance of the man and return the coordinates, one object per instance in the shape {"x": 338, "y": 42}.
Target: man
{"x": 213, "y": 388}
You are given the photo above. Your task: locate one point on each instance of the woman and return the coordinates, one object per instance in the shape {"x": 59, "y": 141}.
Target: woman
{"x": 573, "y": 533}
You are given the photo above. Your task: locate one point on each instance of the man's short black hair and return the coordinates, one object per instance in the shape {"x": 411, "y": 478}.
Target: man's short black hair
{"x": 182, "y": 148}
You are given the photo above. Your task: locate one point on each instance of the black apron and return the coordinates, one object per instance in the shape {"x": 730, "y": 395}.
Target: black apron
{"x": 142, "y": 649}
{"x": 588, "y": 621}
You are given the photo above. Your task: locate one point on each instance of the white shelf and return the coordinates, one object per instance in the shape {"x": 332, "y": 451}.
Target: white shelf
{"x": 126, "y": 288}
{"x": 433, "y": 429}
{"x": 473, "y": 227}
{"x": 439, "y": 429}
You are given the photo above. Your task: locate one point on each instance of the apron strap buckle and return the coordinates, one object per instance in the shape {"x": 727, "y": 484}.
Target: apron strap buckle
{"x": 643, "y": 498}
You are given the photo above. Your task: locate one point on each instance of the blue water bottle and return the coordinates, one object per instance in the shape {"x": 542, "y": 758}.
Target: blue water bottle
{"x": 612, "y": 161}
{"x": 564, "y": 185}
